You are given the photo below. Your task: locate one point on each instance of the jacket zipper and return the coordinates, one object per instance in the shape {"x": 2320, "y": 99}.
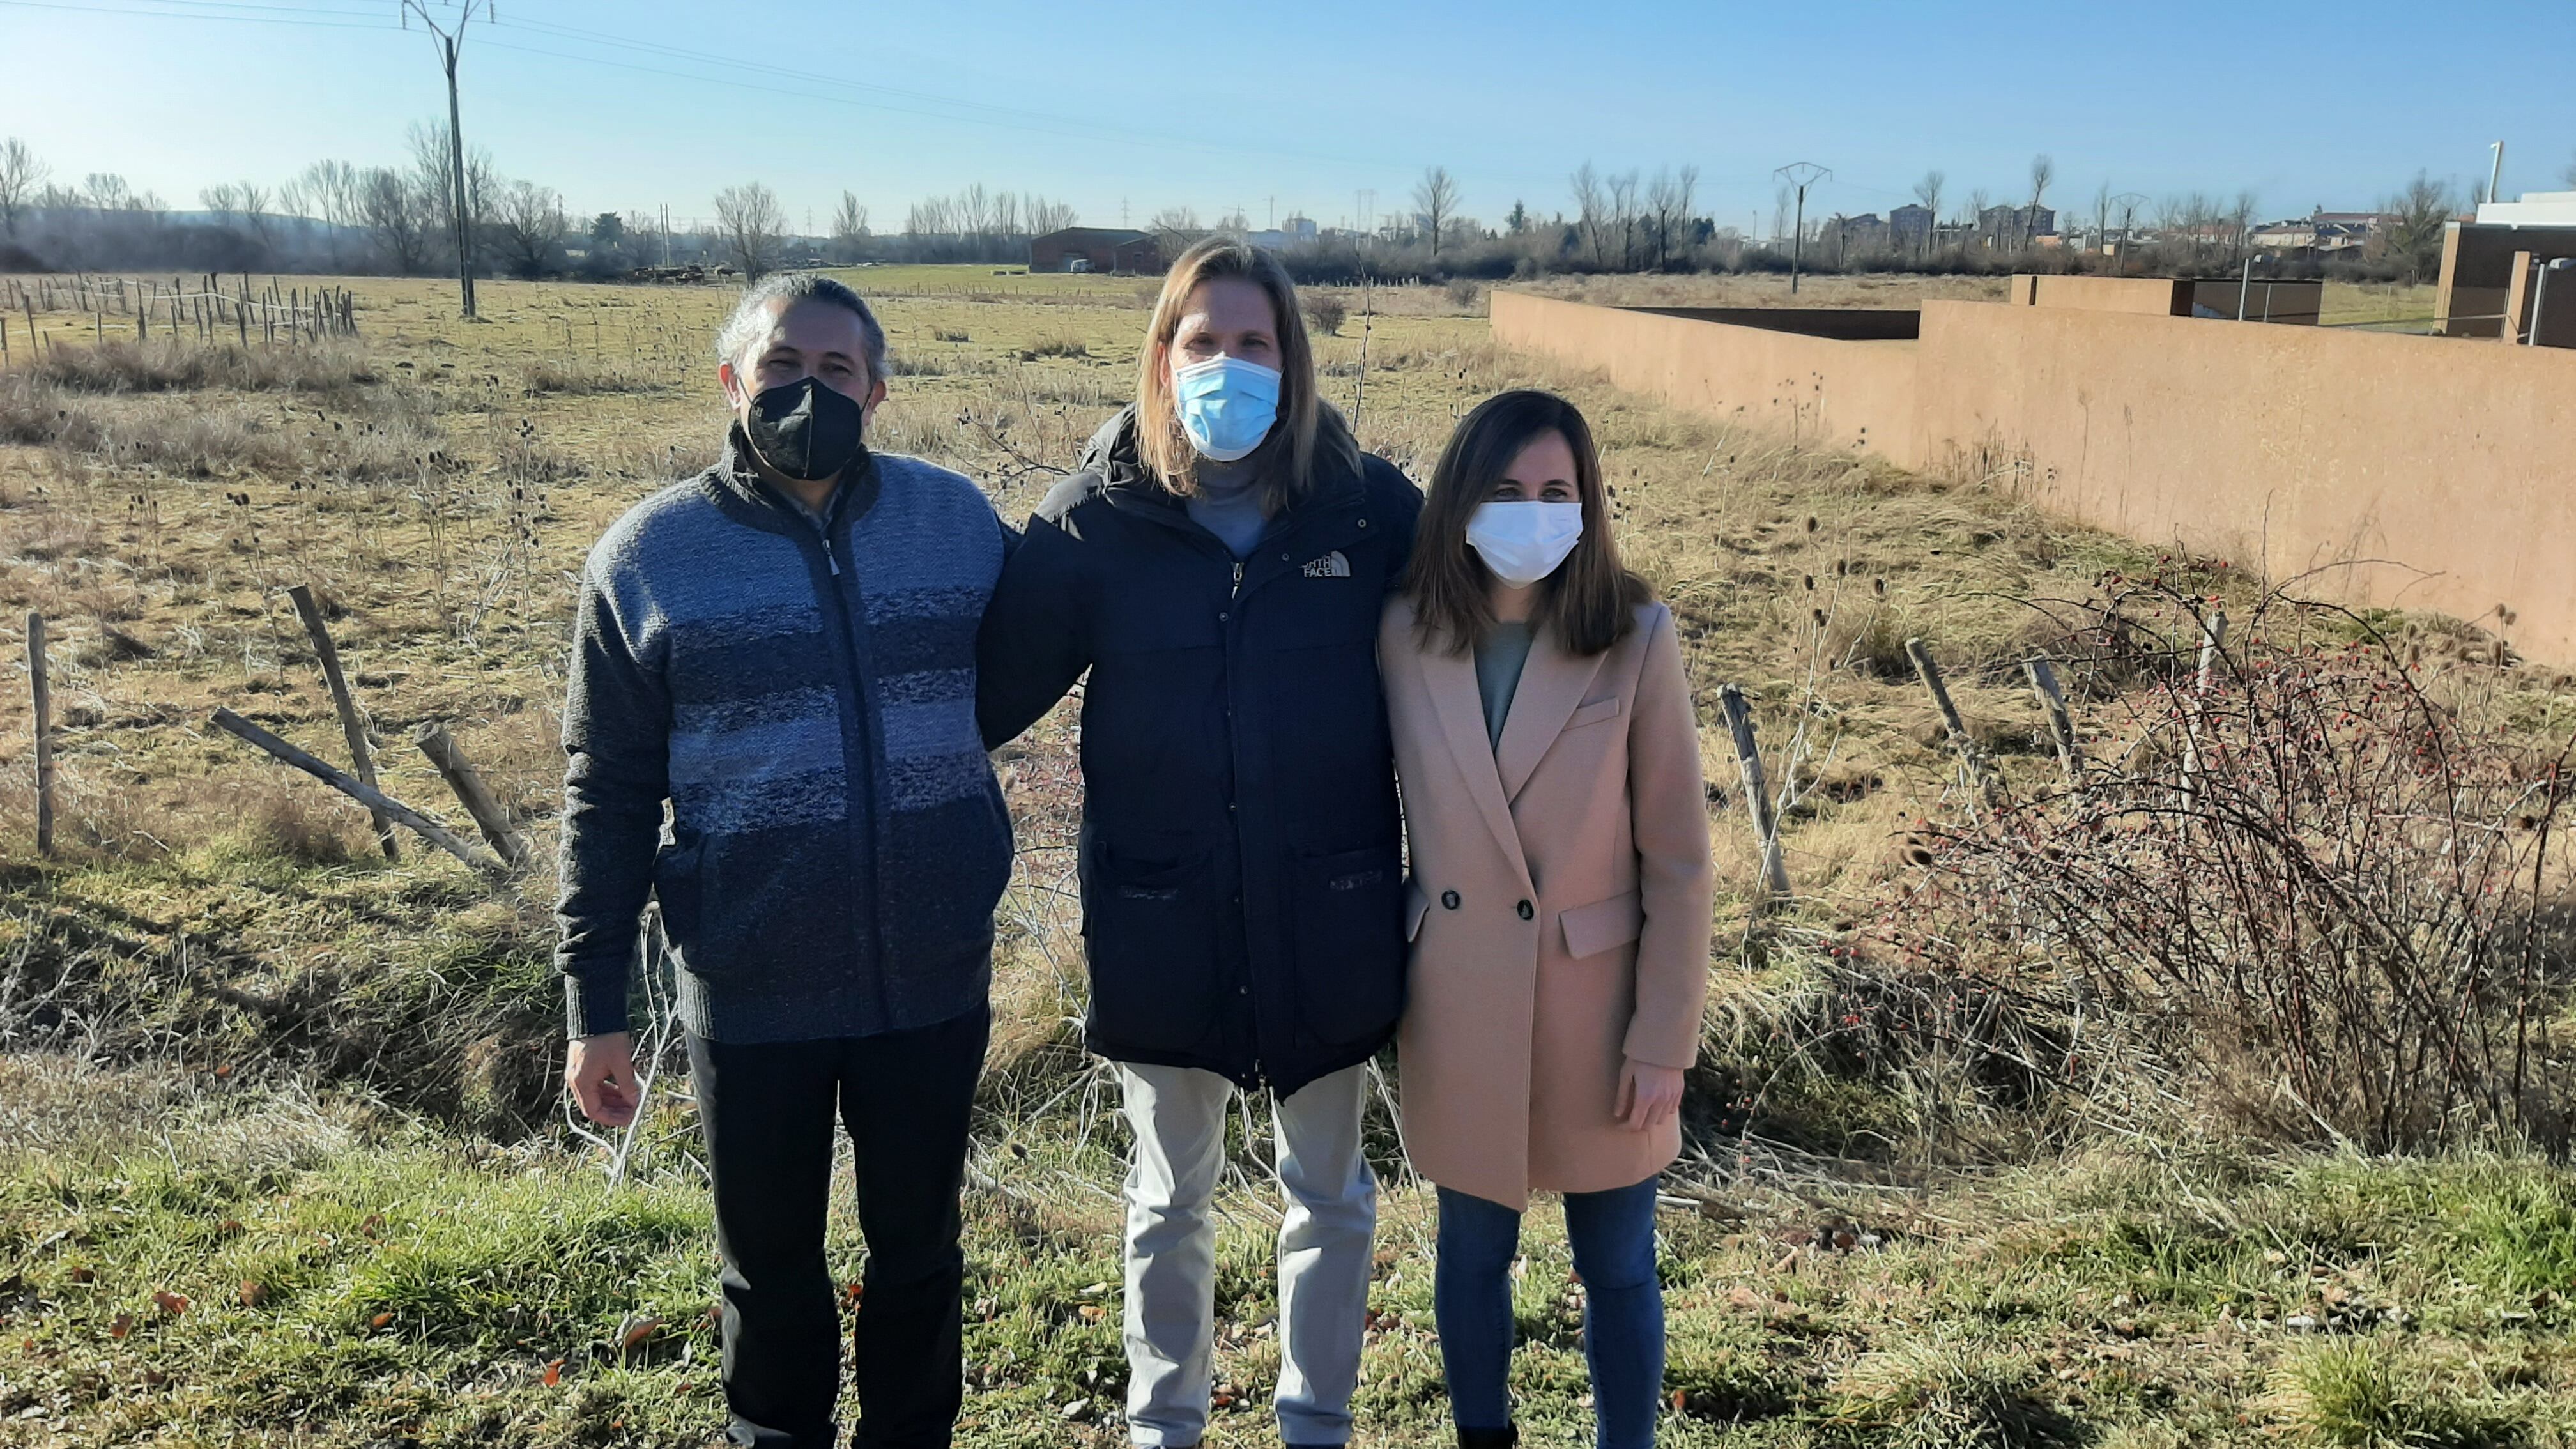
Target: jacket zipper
{"x": 1238, "y": 580}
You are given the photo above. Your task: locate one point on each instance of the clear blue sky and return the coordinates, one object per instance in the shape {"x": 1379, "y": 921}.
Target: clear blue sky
{"x": 1118, "y": 103}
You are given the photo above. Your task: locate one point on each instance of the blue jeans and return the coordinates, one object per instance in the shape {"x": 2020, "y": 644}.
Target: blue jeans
{"x": 1623, "y": 1317}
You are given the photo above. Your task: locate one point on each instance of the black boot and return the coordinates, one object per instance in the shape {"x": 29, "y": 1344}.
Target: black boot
{"x": 1506, "y": 1437}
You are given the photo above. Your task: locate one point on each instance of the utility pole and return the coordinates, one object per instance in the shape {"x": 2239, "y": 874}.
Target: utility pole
{"x": 2495, "y": 173}
{"x": 1800, "y": 174}
{"x": 2128, "y": 202}
{"x": 448, "y": 43}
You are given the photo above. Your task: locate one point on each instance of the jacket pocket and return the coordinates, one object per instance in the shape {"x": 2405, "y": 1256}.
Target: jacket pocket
{"x": 679, "y": 891}
{"x": 1350, "y": 938}
{"x": 1593, "y": 713}
{"x": 1151, "y": 925}
{"x": 1603, "y": 925}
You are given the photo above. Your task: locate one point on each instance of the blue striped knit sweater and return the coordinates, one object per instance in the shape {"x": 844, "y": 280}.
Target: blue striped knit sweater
{"x": 803, "y": 697}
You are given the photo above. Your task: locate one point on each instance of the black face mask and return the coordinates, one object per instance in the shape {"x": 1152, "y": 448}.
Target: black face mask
{"x": 805, "y": 430}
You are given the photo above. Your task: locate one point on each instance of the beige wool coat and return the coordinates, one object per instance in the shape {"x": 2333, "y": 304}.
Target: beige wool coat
{"x": 1559, "y": 907}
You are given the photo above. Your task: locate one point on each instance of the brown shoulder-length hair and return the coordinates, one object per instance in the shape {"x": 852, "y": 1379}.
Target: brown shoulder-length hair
{"x": 1309, "y": 436}
{"x": 1589, "y": 603}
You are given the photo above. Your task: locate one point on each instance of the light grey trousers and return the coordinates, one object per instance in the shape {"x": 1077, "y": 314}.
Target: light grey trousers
{"x": 1178, "y": 1116}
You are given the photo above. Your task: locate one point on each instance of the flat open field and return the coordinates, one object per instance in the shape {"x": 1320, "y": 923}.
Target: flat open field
{"x": 281, "y": 1161}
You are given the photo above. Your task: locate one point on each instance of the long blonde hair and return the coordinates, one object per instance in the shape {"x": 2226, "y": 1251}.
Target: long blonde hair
{"x": 1309, "y": 435}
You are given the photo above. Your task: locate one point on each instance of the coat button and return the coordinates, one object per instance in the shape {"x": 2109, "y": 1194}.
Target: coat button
{"x": 1449, "y": 899}
{"x": 1528, "y": 911}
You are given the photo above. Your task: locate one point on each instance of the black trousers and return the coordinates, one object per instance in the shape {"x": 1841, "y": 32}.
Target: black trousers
{"x": 767, "y": 1110}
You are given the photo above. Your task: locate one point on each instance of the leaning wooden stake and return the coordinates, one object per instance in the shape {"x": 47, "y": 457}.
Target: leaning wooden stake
{"x": 1757, "y": 788}
{"x": 1960, "y": 740}
{"x": 435, "y": 742}
{"x": 374, "y": 799}
{"x": 2213, "y": 638}
{"x": 44, "y": 702}
{"x": 352, "y": 727}
{"x": 2061, "y": 724}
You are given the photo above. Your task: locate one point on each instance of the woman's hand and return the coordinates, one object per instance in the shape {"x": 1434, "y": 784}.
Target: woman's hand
{"x": 1649, "y": 1095}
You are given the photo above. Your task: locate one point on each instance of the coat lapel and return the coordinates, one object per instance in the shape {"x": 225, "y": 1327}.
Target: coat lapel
{"x": 1451, "y": 678}
{"x": 1552, "y": 684}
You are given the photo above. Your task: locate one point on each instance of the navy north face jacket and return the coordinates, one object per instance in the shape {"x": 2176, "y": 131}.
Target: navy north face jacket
{"x": 801, "y": 697}
{"x": 1242, "y": 880}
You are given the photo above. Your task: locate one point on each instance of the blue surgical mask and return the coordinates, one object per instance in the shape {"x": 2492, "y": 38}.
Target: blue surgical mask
{"x": 1227, "y": 405}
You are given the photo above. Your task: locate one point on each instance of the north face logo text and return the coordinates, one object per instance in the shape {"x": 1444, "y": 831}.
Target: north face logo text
{"x": 1331, "y": 566}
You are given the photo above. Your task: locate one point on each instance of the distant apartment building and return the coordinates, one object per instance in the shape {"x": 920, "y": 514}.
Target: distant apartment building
{"x": 2014, "y": 226}
{"x": 1867, "y": 232}
{"x": 1909, "y": 227}
{"x": 1296, "y": 231}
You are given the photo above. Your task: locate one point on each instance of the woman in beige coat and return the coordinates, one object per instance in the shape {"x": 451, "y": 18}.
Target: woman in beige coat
{"x": 1560, "y": 908}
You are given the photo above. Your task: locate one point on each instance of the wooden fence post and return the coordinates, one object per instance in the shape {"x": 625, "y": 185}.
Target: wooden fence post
{"x": 1960, "y": 740}
{"x": 351, "y": 726}
{"x": 2061, "y": 725}
{"x": 374, "y": 799}
{"x": 489, "y": 817}
{"x": 43, "y": 698}
{"x": 1757, "y": 788}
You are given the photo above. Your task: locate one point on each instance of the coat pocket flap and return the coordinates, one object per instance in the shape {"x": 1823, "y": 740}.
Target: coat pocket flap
{"x": 1416, "y": 906}
{"x": 1594, "y": 713}
{"x": 1603, "y": 925}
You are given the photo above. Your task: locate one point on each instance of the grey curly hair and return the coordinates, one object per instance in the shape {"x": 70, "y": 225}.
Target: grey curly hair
{"x": 751, "y": 316}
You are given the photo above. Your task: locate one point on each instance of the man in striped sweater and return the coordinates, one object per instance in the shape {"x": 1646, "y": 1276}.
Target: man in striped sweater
{"x": 771, "y": 729}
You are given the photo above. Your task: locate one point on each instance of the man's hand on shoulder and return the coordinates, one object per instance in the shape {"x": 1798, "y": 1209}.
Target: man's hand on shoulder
{"x": 600, "y": 1071}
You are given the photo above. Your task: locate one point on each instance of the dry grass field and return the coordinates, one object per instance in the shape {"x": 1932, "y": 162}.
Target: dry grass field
{"x": 281, "y": 1161}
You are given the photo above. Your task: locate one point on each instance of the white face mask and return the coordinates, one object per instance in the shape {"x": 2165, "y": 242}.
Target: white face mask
{"x": 1523, "y": 542}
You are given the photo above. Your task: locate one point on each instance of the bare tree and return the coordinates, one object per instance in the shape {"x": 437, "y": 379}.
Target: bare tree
{"x": 1589, "y": 209}
{"x": 106, "y": 191}
{"x": 1928, "y": 192}
{"x": 2420, "y": 214}
{"x": 528, "y": 224}
{"x": 849, "y": 228}
{"x": 1668, "y": 209}
{"x": 20, "y": 174}
{"x": 222, "y": 200}
{"x": 1043, "y": 216}
{"x": 1435, "y": 203}
{"x": 437, "y": 193}
{"x": 1623, "y": 215}
{"x": 328, "y": 192}
{"x": 395, "y": 218}
{"x": 1979, "y": 203}
{"x": 2101, "y": 214}
{"x": 2043, "y": 170}
{"x": 751, "y": 227}
{"x": 2240, "y": 223}
{"x": 1177, "y": 225}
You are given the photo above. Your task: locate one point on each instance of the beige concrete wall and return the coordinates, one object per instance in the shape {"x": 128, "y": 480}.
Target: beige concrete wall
{"x": 2153, "y": 296}
{"x": 2414, "y": 471}
{"x": 2418, "y": 472}
{"x": 1837, "y": 394}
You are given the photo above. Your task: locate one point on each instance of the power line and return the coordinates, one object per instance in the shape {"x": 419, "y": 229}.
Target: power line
{"x": 310, "y": 24}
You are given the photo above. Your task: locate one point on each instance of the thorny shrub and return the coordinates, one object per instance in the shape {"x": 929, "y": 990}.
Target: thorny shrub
{"x": 2295, "y": 868}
